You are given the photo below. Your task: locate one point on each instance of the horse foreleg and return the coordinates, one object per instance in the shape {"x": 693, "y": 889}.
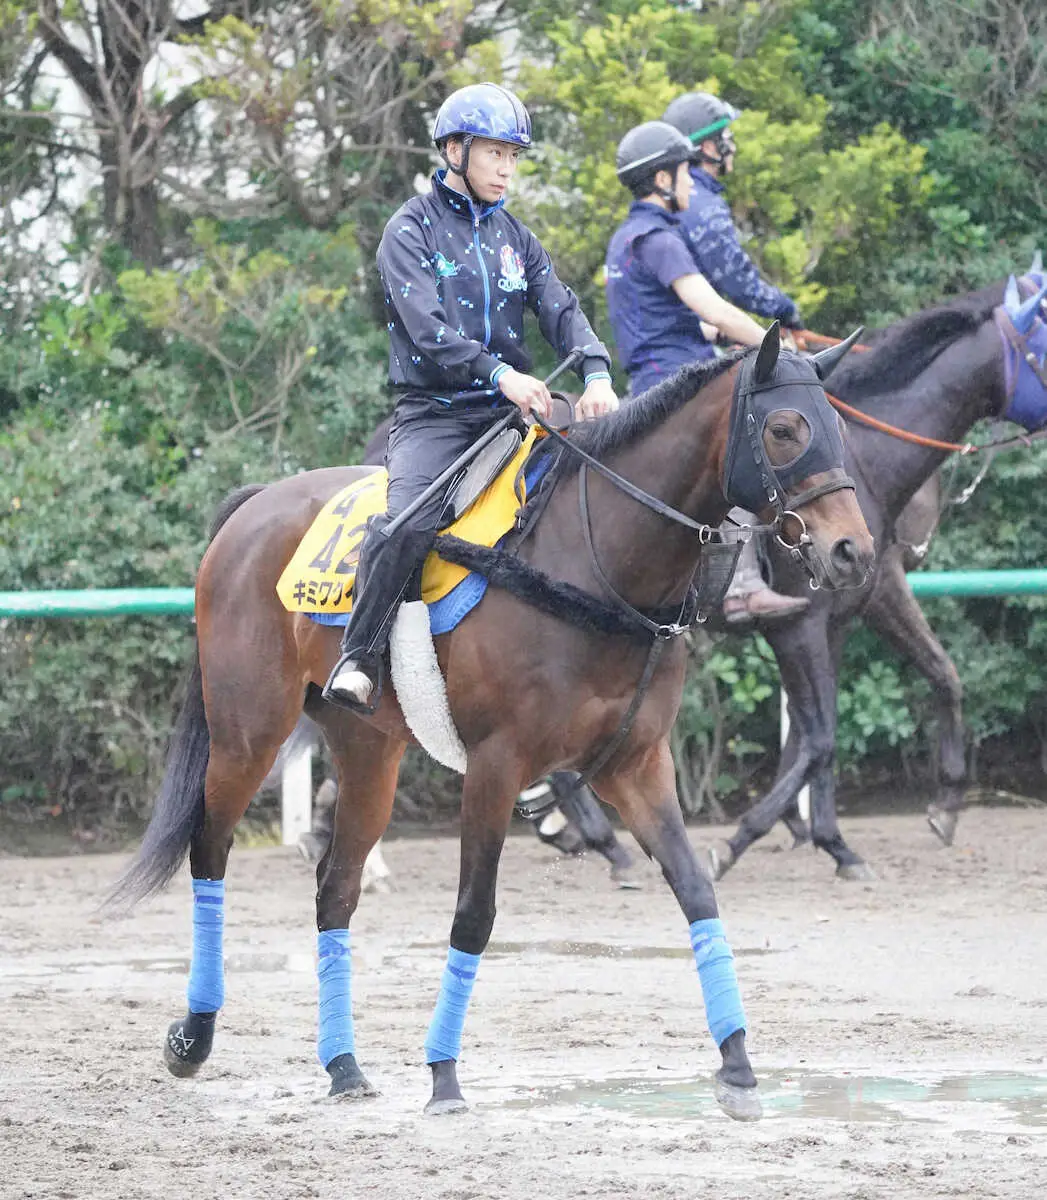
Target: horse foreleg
{"x": 488, "y": 794}
{"x": 367, "y": 762}
{"x": 894, "y": 614}
{"x": 791, "y": 818}
{"x": 643, "y": 790}
{"x": 809, "y": 666}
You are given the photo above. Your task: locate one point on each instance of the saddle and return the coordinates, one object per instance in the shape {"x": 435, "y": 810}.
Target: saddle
{"x": 474, "y": 480}
{"x": 493, "y": 459}
{"x": 481, "y": 507}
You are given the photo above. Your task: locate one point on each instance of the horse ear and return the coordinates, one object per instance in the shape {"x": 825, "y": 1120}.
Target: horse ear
{"x": 826, "y": 361}
{"x": 1036, "y": 266}
{"x": 767, "y": 358}
{"x": 1023, "y": 319}
{"x": 1012, "y": 300}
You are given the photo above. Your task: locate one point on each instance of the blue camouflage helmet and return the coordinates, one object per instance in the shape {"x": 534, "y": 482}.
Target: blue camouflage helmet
{"x": 483, "y": 110}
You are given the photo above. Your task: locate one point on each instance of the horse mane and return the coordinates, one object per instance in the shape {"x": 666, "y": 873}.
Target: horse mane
{"x": 648, "y": 410}
{"x": 903, "y": 351}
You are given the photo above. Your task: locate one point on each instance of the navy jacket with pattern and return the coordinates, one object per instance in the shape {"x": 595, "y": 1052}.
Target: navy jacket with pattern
{"x": 456, "y": 280}
{"x": 713, "y": 239}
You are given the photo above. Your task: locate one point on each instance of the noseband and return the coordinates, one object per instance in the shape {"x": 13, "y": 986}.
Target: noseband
{"x": 759, "y": 483}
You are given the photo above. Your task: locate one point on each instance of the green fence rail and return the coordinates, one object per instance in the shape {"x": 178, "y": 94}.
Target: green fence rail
{"x": 98, "y": 602}
{"x": 156, "y": 602}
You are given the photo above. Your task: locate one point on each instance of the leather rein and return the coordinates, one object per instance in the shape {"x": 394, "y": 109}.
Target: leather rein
{"x": 805, "y": 337}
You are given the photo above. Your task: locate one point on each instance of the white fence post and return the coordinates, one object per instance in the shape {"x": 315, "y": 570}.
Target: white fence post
{"x": 803, "y": 800}
{"x": 296, "y": 795}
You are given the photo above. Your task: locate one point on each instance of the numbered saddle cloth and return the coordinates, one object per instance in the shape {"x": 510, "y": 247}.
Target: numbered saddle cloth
{"x": 319, "y": 578}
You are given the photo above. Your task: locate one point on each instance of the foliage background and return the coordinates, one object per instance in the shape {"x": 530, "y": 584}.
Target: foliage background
{"x": 188, "y": 303}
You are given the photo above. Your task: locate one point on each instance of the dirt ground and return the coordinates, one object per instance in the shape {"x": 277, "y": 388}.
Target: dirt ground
{"x": 898, "y": 1029}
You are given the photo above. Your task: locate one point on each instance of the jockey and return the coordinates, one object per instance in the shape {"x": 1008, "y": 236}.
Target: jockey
{"x": 705, "y": 121}
{"x": 457, "y": 270}
{"x": 657, "y": 300}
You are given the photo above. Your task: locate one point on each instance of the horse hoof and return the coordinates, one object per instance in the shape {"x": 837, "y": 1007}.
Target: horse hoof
{"x": 858, "y": 872}
{"x": 943, "y": 823}
{"x": 447, "y": 1095}
{"x": 721, "y": 859}
{"x": 347, "y": 1080}
{"x": 188, "y": 1044}
{"x": 623, "y": 878}
{"x": 443, "y": 1108}
{"x": 739, "y": 1103}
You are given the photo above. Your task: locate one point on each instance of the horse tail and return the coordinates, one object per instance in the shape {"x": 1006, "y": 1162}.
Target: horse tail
{"x": 178, "y": 811}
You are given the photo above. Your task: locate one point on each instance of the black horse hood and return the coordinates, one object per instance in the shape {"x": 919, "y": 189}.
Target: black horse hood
{"x": 750, "y": 480}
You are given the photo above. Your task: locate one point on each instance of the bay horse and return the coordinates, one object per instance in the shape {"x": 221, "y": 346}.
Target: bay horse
{"x": 681, "y": 457}
{"x": 936, "y": 374}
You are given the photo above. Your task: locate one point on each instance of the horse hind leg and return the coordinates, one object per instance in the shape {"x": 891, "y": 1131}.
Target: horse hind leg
{"x": 244, "y": 745}
{"x": 367, "y": 762}
{"x": 895, "y": 615}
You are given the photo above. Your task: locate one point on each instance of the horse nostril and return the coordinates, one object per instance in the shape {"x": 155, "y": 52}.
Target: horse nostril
{"x": 844, "y": 553}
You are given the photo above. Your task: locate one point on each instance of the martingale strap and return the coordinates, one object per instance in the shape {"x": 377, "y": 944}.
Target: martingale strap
{"x": 654, "y": 657}
{"x": 687, "y": 606}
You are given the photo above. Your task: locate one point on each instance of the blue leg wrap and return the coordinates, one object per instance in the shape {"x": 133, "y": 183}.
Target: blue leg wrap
{"x": 444, "y": 1039}
{"x": 334, "y": 968}
{"x": 715, "y": 962}
{"x": 207, "y": 970}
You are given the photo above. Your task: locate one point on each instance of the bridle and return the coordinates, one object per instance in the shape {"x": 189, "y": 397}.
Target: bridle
{"x": 785, "y": 507}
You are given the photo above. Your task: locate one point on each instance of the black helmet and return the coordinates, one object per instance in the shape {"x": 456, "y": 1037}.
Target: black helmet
{"x": 698, "y": 115}
{"x": 647, "y": 149}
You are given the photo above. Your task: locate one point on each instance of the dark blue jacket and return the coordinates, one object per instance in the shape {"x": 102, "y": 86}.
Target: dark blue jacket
{"x": 656, "y": 333}
{"x": 714, "y": 243}
{"x": 456, "y": 280}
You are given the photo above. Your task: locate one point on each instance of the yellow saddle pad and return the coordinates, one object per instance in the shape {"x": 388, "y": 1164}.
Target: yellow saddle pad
{"x": 319, "y": 577}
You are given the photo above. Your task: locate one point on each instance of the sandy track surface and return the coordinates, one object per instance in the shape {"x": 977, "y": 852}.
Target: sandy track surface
{"x": 899, "y": 1030}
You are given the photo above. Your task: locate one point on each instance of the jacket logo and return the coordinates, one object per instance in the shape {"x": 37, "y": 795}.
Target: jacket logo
{"x": 445, "y": 269}
{"x": 514, "y": 277}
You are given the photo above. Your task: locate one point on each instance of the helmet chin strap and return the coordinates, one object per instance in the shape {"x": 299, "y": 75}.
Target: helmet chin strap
{"x": 462, "y": 170}
{"x": 669, "y": 196}
{"x": 719, "y": 163}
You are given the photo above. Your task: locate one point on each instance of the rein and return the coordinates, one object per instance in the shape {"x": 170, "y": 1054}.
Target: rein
{"x": 1014, "y": 339}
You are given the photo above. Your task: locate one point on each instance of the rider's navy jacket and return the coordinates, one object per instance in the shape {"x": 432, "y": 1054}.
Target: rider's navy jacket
{"x": 714, "y": 243}
{"x": 656, "y": 333}
{"x": 456, "y": 280}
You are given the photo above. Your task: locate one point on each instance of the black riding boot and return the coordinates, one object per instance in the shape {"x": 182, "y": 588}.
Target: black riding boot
{"x": 382, "y": 575}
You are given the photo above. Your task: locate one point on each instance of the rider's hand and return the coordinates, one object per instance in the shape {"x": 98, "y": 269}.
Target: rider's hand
{"x": 597, "y": 400}
{"x": 709, "y": 332}
{"x": 526, "y": 392}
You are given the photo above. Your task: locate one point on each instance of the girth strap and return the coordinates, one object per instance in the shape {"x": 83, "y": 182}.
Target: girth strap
{"x": 654, "y": 657}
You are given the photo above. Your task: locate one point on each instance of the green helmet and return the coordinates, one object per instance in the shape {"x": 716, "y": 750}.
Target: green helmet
{"x": 699, "y": 115}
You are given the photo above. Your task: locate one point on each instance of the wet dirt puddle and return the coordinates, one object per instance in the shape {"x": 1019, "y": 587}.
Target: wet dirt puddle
{"x": 14, "y": 970}
{"x": 572, "y": 949}
{"x": 1002, "y": 1099}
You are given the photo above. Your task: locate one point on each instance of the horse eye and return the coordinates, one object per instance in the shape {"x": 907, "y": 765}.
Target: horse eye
{"x": 784, "y": 432}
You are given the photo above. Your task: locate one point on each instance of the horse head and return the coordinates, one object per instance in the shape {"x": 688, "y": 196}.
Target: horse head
{"x": 785, "y": 454}
{"x": 1022, "y": 322}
